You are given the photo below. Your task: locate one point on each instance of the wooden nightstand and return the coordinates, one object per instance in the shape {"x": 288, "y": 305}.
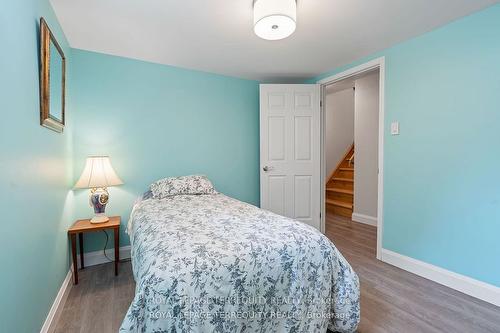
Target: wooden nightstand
{"x": 82, "y": 226}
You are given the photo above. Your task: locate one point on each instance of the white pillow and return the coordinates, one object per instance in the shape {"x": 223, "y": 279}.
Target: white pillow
{"x": 185, "y": 185}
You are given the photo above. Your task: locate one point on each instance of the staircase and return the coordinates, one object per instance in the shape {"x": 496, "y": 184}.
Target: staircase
{"x": 340, "y": 187}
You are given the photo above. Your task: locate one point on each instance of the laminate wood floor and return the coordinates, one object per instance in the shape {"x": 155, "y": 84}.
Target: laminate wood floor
{"x": 392, "y": 300}
{"x": 100, "y": 300}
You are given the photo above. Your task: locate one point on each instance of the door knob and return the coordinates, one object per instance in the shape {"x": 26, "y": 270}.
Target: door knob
{"x": 267, "y": 168}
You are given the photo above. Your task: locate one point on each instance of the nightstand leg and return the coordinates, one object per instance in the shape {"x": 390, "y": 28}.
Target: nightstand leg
{"x": 117, "y": 249}
{"x": 80, "y": 241}
{"x": 73, "y": 254}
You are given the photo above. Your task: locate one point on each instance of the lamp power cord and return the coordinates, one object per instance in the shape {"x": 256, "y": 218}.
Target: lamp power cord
{"x": 106, "y": 245}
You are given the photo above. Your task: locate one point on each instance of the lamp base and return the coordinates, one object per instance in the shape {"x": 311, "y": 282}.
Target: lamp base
{"x": 98, "y": 199}
{"x": 99, "y": 218}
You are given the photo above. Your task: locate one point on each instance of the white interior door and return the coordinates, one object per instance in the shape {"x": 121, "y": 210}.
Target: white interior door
{"x": 290, "y": 151}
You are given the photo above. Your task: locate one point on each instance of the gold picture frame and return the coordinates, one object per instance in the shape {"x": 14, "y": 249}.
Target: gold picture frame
{"x": 52, "y": 80}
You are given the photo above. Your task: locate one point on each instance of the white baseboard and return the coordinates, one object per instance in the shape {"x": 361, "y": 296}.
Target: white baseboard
{"x": 91, "y": 259}
{"x": 57, "y": 306}
{"x": 475, "y": 288}
{"x": 361, "y": 218}
{"x": 97, "y": 257}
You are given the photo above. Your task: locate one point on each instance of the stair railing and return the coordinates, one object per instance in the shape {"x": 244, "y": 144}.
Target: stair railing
{"x": 351, "y": 160}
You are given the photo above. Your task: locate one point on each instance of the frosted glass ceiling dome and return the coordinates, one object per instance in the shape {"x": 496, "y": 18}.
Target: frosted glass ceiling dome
{"x": 274, "y": 19}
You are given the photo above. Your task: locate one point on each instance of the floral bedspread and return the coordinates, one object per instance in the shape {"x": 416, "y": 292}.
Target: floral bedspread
{"x": 210, "y": 263}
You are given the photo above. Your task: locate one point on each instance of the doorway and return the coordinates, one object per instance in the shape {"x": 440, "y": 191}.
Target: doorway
{"x": 352, "y": 165}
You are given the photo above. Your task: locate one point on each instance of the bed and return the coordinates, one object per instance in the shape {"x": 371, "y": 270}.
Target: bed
{"x": 210, "y": 263}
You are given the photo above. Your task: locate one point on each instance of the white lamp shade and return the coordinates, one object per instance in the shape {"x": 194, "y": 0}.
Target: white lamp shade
{"x": 274, "y": 19}
{"x": 98, "y": 172}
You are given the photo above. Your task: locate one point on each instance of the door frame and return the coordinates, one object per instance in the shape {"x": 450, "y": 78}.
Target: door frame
{"x": 378, "y": 63}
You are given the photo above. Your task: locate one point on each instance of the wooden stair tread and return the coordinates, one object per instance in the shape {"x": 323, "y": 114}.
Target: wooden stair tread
{"x": 340, "y": 190}
{"x": 339, "y": 203}
{"x": 344, "y": 180}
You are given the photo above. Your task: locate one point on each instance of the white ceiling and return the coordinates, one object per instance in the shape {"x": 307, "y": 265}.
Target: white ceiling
{"x": 217, "y": 35}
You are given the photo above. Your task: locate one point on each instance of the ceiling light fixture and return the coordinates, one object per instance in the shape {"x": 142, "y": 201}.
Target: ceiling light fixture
{"x": 274, "y": 19}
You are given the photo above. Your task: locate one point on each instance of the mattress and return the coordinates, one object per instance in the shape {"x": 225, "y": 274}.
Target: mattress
{"x": 210, "y": 263}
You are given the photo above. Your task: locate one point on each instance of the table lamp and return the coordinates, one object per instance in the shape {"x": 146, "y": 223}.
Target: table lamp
{"x": 98, "y": 175}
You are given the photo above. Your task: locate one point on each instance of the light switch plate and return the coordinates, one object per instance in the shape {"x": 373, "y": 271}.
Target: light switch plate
{"x": 395, "y": 128}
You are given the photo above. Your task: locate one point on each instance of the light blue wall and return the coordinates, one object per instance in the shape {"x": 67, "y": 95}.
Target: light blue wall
{"x": 35, "y": 175}
{"x": 157, "y": 121}
{"x": 442, "y": 174}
